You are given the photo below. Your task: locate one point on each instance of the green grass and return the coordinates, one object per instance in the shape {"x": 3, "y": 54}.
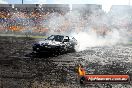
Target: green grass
{"x": 129, "y": 42}
{"x": 38, "y": 36}
{"x": 28, "y": 36}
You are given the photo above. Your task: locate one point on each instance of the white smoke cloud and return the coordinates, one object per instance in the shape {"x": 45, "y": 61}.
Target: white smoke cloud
{"x": 106, "y": 4}
{"x": 89, "y": 33}
{"x": 91, "y": 39}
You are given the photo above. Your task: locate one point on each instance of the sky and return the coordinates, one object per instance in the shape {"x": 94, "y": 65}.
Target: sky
{"x": 106, "y": 4}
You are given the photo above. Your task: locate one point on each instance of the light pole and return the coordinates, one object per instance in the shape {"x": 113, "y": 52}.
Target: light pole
{"x": 22, "y": 1}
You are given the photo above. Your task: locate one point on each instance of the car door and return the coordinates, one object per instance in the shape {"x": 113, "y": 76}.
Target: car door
{"x": 66, "y": 41}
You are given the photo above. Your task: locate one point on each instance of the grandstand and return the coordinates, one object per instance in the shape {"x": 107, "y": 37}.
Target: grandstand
{"x": 16, "y": 17}
{"x": 33, "y": 18}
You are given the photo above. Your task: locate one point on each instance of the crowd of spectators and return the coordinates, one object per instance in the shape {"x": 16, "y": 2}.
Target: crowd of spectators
{"x": 37, "y": 20}
{"x": 26, "y": 19}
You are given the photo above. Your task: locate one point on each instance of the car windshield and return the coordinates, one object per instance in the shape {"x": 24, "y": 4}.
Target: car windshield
{"x": 58, "y": 38}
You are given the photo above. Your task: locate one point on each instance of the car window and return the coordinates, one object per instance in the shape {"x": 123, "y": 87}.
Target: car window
{"x": 56, "y": 38}
{"x": 50, "y": 37}
{"x": 67, "y": 38}
{"x": 59, "y": 38}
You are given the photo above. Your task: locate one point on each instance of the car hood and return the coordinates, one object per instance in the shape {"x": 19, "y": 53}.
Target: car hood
{"x": 49, "y": 42}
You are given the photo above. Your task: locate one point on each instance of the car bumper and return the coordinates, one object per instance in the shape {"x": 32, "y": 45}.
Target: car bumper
{"x": 46, "y": 48}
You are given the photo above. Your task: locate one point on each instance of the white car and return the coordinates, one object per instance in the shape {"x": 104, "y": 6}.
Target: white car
{"x": 55, "y": 43}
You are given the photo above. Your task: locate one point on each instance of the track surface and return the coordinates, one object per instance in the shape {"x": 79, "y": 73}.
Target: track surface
{"x": 18, "y": 71}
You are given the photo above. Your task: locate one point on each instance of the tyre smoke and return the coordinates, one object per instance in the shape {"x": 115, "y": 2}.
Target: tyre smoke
{"x": 94, "y": 30}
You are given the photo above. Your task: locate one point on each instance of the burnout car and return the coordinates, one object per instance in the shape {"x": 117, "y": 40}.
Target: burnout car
{"x": 55, "y": 44}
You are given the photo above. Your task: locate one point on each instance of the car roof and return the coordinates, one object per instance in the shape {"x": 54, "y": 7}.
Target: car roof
{"x": 60, "y": 35}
